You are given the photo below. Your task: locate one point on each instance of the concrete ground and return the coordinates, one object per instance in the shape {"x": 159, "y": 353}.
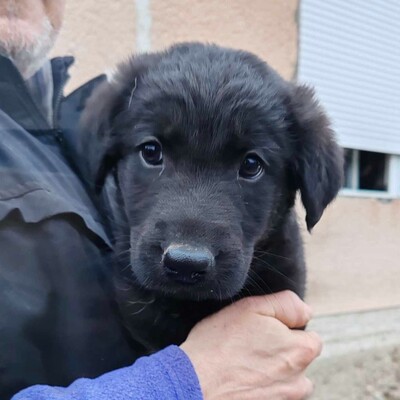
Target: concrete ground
{"x": 361, "y": 356}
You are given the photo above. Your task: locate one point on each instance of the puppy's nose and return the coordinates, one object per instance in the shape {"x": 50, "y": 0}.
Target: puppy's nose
{"x": 187, "y": 264}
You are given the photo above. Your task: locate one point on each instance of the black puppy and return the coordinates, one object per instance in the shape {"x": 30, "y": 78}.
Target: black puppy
{"x": 207, "y": 148}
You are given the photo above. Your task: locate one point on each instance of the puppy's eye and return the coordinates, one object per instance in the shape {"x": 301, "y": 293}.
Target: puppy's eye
{"x": 252, "y": 167}
{"x": 151, "y": 153}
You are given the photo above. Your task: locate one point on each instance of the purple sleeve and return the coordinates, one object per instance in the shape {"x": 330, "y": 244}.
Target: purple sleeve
{"x": 168, "y": 375}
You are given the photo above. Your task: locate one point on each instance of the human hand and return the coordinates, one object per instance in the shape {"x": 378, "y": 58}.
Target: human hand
{"x": 247, "y": 351}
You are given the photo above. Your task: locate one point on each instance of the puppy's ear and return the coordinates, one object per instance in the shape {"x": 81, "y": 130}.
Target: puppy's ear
{"x": 98, "y": 143}
{"x": 101, "y": 144}
{"x": 317, "y": 163}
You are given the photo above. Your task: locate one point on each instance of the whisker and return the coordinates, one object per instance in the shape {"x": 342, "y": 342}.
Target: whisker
{"x": 267, "y": 253}
{"x": 139, "y": 311}
{"x": 132, "y": 92}
{"x": 273, "y": 269}
{"x": 121, "y": 253}
{"x": 146, "y": 303}
{"x": 253, "y": 282}
{"x": 268, "y": 287}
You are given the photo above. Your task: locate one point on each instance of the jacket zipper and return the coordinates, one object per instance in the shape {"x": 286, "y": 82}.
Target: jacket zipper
{"x": 57, "y": 131}
{"x": 23, "y": 88}
{"x": 55, "y": 128}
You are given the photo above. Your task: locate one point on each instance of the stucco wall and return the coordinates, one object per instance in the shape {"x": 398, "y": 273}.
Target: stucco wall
{"x": 353, "y": 253}
{"x": 267, "y": 28}
{"x": 354, "y": 256}
{"x": 101, "y": 32}
{"x": 98, "y": 33}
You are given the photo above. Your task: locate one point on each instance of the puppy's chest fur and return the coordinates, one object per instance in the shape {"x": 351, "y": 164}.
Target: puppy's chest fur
{"x": 156, "y": 321}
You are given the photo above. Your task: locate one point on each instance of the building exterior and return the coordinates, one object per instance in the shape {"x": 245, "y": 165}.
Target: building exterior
{"x": 350, "y": 52}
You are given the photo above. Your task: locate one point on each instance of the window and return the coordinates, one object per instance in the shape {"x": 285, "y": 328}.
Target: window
{"x": 349, "y": 53}
{"x": 370, "y": 173}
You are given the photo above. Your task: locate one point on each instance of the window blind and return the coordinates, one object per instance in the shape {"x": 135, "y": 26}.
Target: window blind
{"x": 350, "y": 52}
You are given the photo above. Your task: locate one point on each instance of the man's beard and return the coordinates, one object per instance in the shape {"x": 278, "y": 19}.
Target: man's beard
{"x": 24, "y": 45}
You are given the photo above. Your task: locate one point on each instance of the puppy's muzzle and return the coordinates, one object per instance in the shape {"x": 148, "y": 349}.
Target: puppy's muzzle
{"x": 187, "y": 264}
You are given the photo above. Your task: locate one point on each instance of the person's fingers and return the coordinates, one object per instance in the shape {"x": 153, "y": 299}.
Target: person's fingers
{"x": 285, "y": 306}
{"x": 308, "y": 346}
{"x": 300, "y": 389}
{"x": 311, "y": 343}
{"x": 299, "y": 351}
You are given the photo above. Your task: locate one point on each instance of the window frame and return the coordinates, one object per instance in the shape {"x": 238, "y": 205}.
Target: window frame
{"x": 393, "y": 179}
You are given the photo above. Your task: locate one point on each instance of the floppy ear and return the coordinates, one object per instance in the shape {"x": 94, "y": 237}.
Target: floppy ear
{"x": 98, "y": 143}
{"x": 317, "y": 165}
{"x": 101, "y": 145}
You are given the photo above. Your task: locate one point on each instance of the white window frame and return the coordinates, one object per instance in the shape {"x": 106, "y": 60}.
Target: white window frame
{"x": 393, "y": 180}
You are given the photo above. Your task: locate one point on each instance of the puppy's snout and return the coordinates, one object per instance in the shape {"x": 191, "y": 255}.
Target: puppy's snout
{"x": 186, "y": 263}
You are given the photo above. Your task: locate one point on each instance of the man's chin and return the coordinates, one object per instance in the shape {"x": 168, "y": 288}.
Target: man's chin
{"x": 25, "y": 44}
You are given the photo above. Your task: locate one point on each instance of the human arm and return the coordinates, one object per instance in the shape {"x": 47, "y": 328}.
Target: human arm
{"x": 251, "y": 350}
{"x": 246, "y": 351}
{"x": 167, "y": 374}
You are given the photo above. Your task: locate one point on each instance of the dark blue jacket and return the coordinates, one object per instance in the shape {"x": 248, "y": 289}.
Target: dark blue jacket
{"x": 57, "y": 318}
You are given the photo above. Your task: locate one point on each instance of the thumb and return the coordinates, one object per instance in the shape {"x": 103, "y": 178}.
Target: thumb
{"x": 285, "y": 306}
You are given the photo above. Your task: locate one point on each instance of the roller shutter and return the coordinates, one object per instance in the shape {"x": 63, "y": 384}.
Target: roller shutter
{"x": 350, "y": 51}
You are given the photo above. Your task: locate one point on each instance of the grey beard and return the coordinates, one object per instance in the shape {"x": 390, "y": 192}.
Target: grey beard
{"x": 29, "y": 57}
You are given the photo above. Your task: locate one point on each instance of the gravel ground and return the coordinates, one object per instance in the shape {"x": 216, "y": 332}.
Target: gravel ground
{"x": 361, "y": 356}
{"x": 368, "y": 375}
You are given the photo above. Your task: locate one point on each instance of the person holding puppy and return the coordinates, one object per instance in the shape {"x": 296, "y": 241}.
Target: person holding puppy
{"x": 58, "y": 323}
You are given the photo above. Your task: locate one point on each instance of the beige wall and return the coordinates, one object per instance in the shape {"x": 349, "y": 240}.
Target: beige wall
{"x": 99, "y": 33}
{"x": 353, "y": 254}
{"x": 265, "y": 27}
{"x": 102, "y": 32}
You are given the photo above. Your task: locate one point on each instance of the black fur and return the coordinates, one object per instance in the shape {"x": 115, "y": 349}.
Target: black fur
{"x": 208, "y": 106}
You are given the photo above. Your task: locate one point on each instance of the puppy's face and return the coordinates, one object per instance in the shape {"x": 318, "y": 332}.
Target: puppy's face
{"x": 201, "y": 184}
{"x": 203, "y": 142}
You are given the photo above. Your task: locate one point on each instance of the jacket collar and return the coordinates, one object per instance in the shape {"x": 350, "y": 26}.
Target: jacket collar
{"x": 15, "y": 99}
